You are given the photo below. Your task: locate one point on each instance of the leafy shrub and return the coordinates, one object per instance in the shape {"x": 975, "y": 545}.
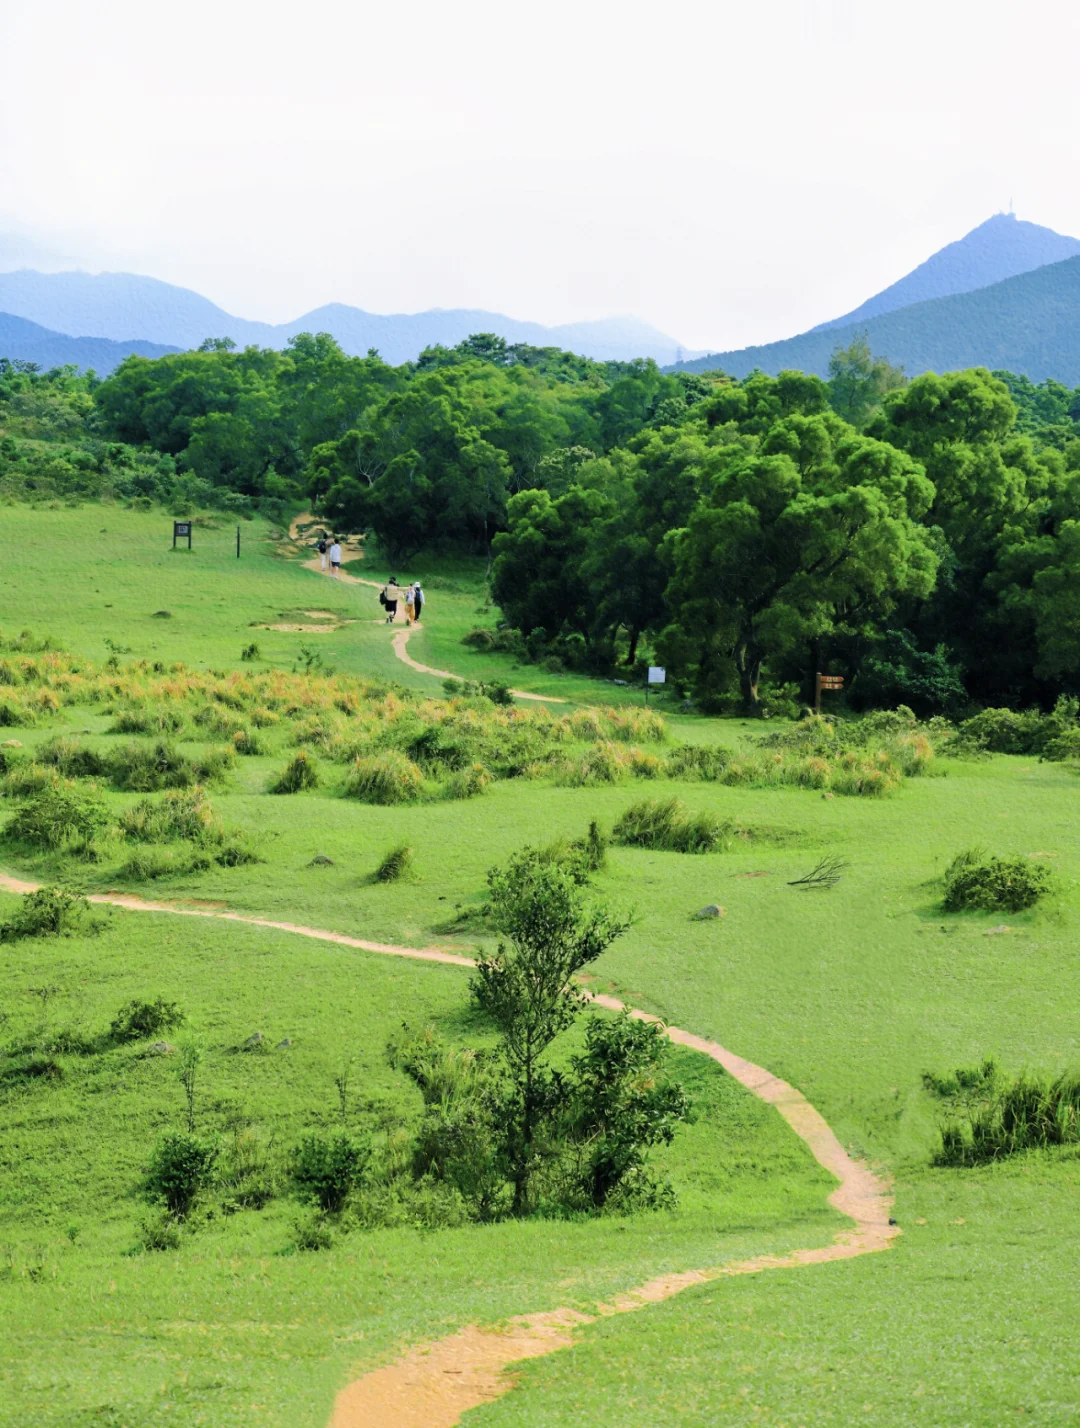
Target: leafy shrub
{"x": 326, "y": 1169}
{"x": 669, "y": 825}
{"x": 1065, "y": 745}
{"x": 50, "y": 912}
{"x": 72, "y": 759}
{"x": 137, "y": 1021}
{"x": 976, "y": 881}
{"x": 299, "y": 773}
{"x": 58, "y": 814}
{"x": 395, "y": 865}
{"x": 385, "y": 778}
{"x": 180, "y": 1167}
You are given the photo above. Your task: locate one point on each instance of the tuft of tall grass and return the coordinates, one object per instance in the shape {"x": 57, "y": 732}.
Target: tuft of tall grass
{"x": 667, "y": 824}
{"x": 1027, "y": 1113}
{"x": 396, "y": 865}
{"x": 299, "y": 773}
{"x": 71, "y": 758}
{"x": 384, "y": 778}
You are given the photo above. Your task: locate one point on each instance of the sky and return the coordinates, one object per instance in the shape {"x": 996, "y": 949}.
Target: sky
{"x": 731, "y": 173}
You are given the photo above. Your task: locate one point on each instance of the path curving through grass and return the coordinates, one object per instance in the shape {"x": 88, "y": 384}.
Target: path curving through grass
{"x": 401, "y": 636}
{"x": 432, "y": 1385}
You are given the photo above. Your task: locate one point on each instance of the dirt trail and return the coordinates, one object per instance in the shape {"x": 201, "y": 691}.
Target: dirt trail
{"x": 402, "y": 636}
{"x": 433, "y": 1385}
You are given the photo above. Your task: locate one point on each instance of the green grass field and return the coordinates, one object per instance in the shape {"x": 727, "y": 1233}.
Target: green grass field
{"x": 849, "y": 994}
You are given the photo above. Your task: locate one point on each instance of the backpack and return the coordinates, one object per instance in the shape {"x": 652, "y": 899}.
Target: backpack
{"x": 382, "y": 597}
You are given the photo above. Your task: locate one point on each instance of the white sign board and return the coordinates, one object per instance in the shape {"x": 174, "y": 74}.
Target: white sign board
{"x": 656, "y": 674}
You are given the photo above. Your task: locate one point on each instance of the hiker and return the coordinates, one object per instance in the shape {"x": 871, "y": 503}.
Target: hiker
{"x": 410, "y": 609}
{"x": 418, "y": 602}
{"x": 389, "y": 595}
{"x": 335, "y": 558}
{"x": 323, "y": 548}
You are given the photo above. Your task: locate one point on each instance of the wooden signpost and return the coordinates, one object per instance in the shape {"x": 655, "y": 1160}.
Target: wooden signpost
{"x": 181, "y": 529}
{"x": 832, "y": 682}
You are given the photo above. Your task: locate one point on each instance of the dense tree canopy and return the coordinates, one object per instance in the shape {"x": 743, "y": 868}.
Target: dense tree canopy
{"x": 922, "y": 537}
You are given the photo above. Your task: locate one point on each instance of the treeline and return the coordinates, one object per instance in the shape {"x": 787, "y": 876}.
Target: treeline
{"x": 922, "y": 538}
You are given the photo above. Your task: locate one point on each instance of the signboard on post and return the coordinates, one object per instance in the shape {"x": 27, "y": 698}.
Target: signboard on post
{"x": 657, "y": 675}
{"x": 832, "y": 682}
{"x": 181, "y": 529}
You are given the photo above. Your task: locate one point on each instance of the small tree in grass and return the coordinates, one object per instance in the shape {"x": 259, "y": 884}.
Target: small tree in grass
{"x": 526, "y": 986}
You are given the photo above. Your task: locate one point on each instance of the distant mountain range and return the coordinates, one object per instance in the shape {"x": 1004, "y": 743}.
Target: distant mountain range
{"x": 1028, "y": 323}
{"x": 32, "y": 343}
{"x": 126, "y": 307}
{"x": 1002, "y": 247}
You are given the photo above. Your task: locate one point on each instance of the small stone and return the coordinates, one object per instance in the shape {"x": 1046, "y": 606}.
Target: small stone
{"x": 283, "y": 1044}
{"x": 256, "y": 1039}
{"x": 160, "y": 1048}
{"x": 711, "y": 910}
{"x": 993, "y": 931}
{"x": 11, "y": 744}
{"x": 320, "y": 860}
{"x": 828, "y": 795}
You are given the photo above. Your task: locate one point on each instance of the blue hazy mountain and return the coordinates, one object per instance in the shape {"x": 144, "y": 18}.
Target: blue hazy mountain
{"x": 33, "y": 343}
{"x": 1028, "y": 324}
{"x": 126, "y": 306}
{"x": 1002, "y": 247}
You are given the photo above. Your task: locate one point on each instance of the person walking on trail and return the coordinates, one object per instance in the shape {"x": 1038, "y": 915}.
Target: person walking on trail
{"x": 323, "y": 548}
{"x": 409, "y": 607}
{"x": 418, "y": 602}
{"x": 391, "y": 594}
{"x": 335, "y": 558}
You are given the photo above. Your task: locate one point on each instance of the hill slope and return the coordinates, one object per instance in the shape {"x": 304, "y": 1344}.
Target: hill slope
{"x": 125, "y": 306}
{"x": 1002, "y": 247}
{"x": 33, "y": 343}
{"x": 1028, "y": 324}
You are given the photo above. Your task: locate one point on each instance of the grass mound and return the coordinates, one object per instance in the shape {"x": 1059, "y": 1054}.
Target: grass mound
{"x": 669, "y": 825}
{"x": 977, "y": 881}
{"x": 1029, "y": 1112}
{"x": 385, "y": 778}
{"x": 299, "y": 773}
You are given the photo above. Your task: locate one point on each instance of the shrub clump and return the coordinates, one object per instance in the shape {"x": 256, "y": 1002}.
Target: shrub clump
{"x": 182, "y": 815}
{"x": 60, "y": 813}
{"x": 71, "y": 758}
{"x": 299, "y": 773}
{"x": 977, "y": 881}
{"x": 50, "y": 912}
{"x": 669, "y": 825}
{"x": 327, "y": 1169}
{"x": 386, "y": 778}
{"x": 137, "y": 1020}
{"x": 180, "y": 1167}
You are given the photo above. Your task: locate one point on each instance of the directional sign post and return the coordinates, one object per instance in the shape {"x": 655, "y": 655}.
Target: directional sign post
{"x": 831, "y": 682}
{"x": 181, "y": 529}
{"x": 657, "y": 675}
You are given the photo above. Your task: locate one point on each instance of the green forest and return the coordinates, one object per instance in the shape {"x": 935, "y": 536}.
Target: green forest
{"x": 920, "y": 538}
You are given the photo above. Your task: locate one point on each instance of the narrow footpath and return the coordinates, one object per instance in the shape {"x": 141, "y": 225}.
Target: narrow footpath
{"x": 433, "y": 1385}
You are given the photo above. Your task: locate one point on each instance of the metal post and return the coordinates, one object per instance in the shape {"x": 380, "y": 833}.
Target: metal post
{"x": 817, "y": 692}
{"x": 238, "y": 542}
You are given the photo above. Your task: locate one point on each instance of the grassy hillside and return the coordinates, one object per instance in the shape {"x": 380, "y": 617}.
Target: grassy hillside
{"x": 849, "y": 993}
{"x": 1027, "y": 324}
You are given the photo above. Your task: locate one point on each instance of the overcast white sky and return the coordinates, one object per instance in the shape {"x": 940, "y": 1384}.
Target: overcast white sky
{"x": 732, "y": 172}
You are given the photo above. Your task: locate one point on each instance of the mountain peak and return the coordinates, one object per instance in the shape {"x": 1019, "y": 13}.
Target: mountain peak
{"x": 1002, "y": 246}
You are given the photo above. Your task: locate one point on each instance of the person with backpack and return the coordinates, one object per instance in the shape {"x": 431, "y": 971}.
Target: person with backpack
{"x": 335, "y": 558}
{"x": 389, "y": 596}
{"x": 322, "y": 548}
{"x": 418, "y": 602}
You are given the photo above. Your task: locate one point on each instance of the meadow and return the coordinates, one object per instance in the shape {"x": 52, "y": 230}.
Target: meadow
{"x": 850, "y": 993}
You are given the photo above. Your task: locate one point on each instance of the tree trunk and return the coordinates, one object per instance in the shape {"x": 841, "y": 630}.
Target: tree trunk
{"x": 748, "y": 662}
{"x": 635, "y": 635}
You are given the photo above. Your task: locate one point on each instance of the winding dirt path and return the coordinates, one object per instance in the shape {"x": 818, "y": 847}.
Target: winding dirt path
{"x": 431, "y": 1386}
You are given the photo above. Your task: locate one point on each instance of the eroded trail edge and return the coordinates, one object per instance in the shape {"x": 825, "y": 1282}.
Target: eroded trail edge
{"x": 431, "y": 1386}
